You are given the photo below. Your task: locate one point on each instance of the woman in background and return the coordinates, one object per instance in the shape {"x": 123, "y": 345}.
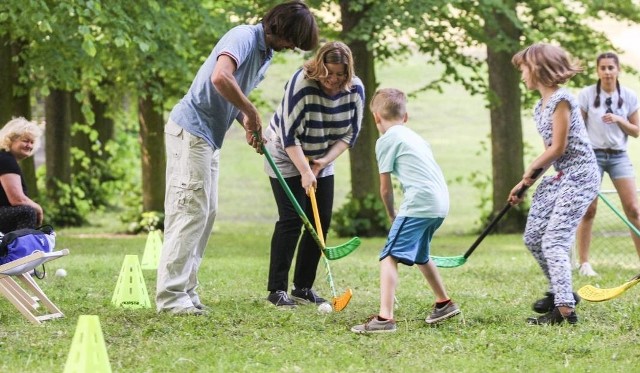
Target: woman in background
{"x": 19, "y": 139}
{"x": 611, "y": 115}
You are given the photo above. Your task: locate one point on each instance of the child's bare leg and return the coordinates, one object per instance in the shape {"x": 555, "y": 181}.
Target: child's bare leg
{"x": 430, "y": 272}
{"x": 388, "y": 283}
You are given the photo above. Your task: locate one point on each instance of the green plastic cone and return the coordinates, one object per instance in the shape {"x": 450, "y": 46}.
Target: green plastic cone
{"x": 152, "y": 250}
{"x": 131, "y": 290}
{"x": 88, "y": 351}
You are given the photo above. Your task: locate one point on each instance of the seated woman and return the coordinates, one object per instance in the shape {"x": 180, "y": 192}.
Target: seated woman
{"x": 19, "y": 139}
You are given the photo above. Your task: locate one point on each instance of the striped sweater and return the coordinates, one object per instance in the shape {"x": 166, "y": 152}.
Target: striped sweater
{"x": 309, "y": 118}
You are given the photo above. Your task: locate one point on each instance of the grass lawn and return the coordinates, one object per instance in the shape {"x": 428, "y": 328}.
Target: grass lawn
{"x": 244, "y": 333}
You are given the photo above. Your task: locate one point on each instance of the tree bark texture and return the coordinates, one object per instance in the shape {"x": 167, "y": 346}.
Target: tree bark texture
{"x": 506, "y": 124}
{"x": 22, "y": 108}
{"x": 365, "y": 179}
{"x": 79, "y": 139}
{"x": 6, "y": 80}
{"x": 103, "y": 123}
{"x": 11, "y": 106}
{"x": 153, "y": 154}
{"x": 58, "y": 138}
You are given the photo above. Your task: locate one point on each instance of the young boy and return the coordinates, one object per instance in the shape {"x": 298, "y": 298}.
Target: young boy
{"x": 403, "y": 153}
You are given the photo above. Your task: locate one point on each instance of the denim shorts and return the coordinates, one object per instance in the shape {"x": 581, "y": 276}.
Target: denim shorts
{"x": 618, "y": 166}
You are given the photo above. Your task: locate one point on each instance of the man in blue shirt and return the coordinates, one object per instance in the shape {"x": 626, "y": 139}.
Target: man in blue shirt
{"x": 194, "y": 135}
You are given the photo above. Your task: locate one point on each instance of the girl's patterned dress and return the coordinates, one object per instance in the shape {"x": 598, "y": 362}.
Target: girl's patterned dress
{"x": 560, "y": 201}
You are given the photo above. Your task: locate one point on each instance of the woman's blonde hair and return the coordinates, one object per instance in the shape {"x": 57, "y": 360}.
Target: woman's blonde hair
{"x": 17, "y": 128}
{"x": 549, "y": 64}
{"x": 331, "y": 52}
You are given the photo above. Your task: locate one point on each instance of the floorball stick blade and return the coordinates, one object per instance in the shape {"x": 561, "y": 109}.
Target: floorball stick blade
{"x": 334, "y": 253}
{"x": 449, "y": 261}
{"x": 594, "y": 294}
{"x": 341, "y": 302}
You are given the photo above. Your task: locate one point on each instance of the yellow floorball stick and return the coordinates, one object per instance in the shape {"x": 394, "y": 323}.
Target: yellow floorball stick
{"x": 594, "y": 294}
{"x": 339, "y": 302}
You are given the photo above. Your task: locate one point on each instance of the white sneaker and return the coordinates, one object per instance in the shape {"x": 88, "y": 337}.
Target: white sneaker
{"x": 586, "y": 270}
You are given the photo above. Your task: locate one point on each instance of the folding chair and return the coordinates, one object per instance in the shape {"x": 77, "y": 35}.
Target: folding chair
{"x": 25, "y": 303}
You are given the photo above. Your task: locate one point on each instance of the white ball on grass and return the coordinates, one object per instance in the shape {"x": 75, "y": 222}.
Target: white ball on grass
{"x": 325, "y": 308}
{"x": 61, "y": 272}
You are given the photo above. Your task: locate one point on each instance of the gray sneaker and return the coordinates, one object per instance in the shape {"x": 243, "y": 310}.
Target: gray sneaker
{"x": 440, "y": 314}
{"x": 373, "y": 325}
{"x": 202, "y": 307}
{"x": 185, "y": 311}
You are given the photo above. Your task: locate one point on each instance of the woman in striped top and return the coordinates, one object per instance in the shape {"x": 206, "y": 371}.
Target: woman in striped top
{"x": 318, "y": 119}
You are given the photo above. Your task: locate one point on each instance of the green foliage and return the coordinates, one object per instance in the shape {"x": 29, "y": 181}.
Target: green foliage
{"x": 97, "y": 181}
{"x": 145, "y": 222}
{"x": 108, "y": 179}
{"x": 116, "y": 48}
{"x": 65, "y": 206}
{"x": 95, "y": 173}
{"x": 451, "y": 31}
{"x": 365, "y": 218}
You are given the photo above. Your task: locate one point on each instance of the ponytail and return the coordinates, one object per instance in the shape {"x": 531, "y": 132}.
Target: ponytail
{"x": 596, "y": 102}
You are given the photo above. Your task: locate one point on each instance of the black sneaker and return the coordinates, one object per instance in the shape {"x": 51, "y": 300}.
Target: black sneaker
{"x": 279, "y": 298}
{"x": 553, "y": 317}
{"x": 307, "y": 295}
{"x": 544, "y": 305}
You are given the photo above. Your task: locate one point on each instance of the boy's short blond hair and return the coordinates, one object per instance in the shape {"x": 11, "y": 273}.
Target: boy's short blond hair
{"x": 389, "y": 103}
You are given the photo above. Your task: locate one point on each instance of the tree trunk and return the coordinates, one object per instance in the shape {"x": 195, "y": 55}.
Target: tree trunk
{"x": 22, "y": 108}
{"x": 153, "y": 154}
{"x": 58, "y": 135}
{"x": 365, "y": 179}
{"x": 6, "y": 80}
{"x": 79, "y": 139}
{"x": 103, "y": 124}
{"x": 506, "y": 124}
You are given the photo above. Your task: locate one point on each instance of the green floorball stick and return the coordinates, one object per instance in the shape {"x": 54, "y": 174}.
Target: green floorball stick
{"x": 332, "y": 253}
{"x": 615, "y": 210}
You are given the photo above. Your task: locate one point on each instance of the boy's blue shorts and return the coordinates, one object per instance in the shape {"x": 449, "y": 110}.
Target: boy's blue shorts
{"x": 409, "y": 240}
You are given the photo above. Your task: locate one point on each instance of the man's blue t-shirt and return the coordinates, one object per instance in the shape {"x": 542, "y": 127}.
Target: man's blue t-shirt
{"x": 203, "y": 112}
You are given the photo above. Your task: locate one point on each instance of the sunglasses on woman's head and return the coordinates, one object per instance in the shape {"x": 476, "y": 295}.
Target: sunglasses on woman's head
{"x": 608, "y": 102}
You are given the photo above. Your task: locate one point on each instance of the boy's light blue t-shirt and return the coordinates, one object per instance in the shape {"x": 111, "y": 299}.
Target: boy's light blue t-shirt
{"x": 203, "y": 112}
{"x": 403, "y": 153}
